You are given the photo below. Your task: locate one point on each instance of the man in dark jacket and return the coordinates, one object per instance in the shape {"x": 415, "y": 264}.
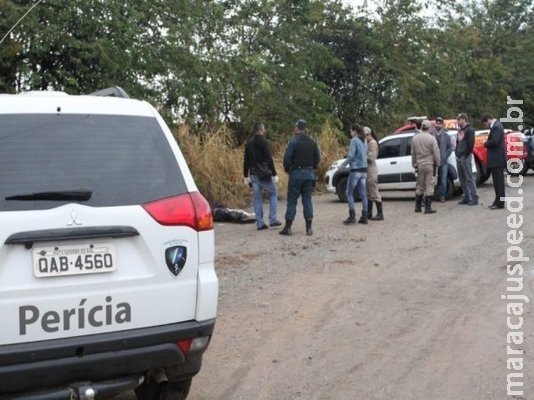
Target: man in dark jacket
{"x": 464, "y": 154}
{"x": 258, "y": 155}
{"x": 445, "y": 149}
{"x": 301, "y": 159}
{"x": 496, "y": 158}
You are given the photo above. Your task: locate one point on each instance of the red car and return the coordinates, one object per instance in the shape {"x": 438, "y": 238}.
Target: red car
{"x": 514, "y": 150}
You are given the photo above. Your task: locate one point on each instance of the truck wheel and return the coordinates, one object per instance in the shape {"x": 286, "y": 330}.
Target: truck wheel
{"x": 479, "y": 172}
{"x": 164, "y": 391}
{"x": 341, "y": 190}
{"x": 482, "y": 175}
{"x": 449, "y": 193}
{"x": 523, "y": 170}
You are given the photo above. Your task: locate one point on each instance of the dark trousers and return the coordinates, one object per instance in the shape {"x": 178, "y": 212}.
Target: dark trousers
{"x": 497, "y": 176}
{"x": 297, "y": 187}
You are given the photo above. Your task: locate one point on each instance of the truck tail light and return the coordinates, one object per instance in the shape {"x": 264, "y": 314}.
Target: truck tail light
{"x": 188, "y": 209}
{"x": 199, "y": 343}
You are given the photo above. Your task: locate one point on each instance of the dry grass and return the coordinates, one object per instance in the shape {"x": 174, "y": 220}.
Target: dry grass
{"x": 217, "y": 164}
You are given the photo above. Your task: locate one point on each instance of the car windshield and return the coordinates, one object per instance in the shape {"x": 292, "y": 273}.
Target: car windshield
{"x": 98, "y": 160}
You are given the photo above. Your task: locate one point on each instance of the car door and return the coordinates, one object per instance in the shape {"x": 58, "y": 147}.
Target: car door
{"x": 406, "y": 170}
{"x": 388, "y": 162}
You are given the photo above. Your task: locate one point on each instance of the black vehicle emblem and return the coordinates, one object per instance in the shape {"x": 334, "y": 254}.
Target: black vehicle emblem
{"x": 175, "y": 257}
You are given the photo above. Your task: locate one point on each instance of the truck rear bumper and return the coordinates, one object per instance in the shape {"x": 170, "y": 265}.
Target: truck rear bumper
{"x": 60, "y": 363}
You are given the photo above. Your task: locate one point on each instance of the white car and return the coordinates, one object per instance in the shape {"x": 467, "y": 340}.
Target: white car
{"x": 395, "y": 171}
{"x": 106, "y": 251}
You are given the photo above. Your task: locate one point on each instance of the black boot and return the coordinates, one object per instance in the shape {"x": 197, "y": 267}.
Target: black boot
{"x": 428, "y": 206}
{"x": 370, "y": 209}
{"x": 363, "y": 218}
{"x": 418, "y": 202}
{"x": 379, "y": 214}
{"x": 351, "y": 219}
{"x": 309, "y": 231}
{"x": 286, "y": 230}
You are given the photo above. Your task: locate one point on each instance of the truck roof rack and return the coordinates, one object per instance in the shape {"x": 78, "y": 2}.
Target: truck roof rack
{"x": 115, "y": 91}
{"x": 416, "y": 118}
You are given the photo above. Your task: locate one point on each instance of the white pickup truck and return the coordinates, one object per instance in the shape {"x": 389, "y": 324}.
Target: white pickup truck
{"x": 107, "y": 278}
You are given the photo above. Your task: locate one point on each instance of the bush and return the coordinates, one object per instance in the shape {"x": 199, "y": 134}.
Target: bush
{"x": 217, "y": 163}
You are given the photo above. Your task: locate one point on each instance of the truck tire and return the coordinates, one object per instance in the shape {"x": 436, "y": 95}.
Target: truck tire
{"x": 523, "y": 171}
{"x": 482, "y": 176}
{"x": 449, "y": 193}
{"x": 164, "y": 391}
{"x": 341, "y": 189}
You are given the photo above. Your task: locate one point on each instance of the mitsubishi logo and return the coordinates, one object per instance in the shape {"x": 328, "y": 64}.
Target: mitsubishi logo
{"x": 74, "y": 220}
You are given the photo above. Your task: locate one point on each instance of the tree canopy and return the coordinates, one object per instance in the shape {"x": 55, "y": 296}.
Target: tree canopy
{"x": 232, "y": 62}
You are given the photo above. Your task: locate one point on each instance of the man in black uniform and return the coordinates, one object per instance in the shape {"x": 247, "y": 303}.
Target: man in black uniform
{"x": 301, "y": 159}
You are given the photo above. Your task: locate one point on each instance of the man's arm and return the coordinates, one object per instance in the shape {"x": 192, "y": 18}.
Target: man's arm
{"x": 412, "y": 152}
{"x": 449, "y": 146}
{"x": 288, "y": 155}
{"x": 268, "y": 155}
{"x": 470, "y": 137}
{"x": 316, "y": 156}
{"x": 435, "y": 150}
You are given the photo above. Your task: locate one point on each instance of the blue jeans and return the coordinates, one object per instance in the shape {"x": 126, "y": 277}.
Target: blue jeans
{"x": 467, "y": 180}
{"x": 258, "y": 187}
{"x": 359, "y": 180}
{"x": 442, "y": 179}
{"x": 295, "y": 188}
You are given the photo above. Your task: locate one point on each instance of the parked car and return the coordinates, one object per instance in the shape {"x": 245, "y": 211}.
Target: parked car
{"x": 106, "y": 251}
{"x": 528, "y": 142}
{"x": 395, "y": 171}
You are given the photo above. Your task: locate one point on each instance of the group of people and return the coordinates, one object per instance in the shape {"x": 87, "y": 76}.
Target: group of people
{"x": 301, "y": 160}
{"x": 363, "y": 175}
{"x": 430, "y": 150}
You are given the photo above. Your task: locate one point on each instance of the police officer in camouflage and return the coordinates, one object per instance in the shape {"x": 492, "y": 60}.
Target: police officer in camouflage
{"x": 301, "y": 159}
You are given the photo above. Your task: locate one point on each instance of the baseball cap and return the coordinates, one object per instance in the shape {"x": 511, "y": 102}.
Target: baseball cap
{"x": 425, "y": 124}
{"x": 462, "y": 116}
{"x": 366, "y": 130}
{"x": 440, "y": 119}
{"x": 301, "y": 124}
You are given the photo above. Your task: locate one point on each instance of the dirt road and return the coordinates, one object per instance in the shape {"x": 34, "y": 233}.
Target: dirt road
{"x": 408, "y": 308}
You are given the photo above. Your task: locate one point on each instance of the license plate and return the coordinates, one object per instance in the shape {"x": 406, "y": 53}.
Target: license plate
{"x": 65, "y": 260}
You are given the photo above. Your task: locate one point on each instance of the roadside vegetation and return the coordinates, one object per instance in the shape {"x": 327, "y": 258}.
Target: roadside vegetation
{"x": 217, "y": 163}
{"x": 213, "y": 68}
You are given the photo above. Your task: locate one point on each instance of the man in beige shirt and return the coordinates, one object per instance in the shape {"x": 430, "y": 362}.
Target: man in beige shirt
{"x": 425, "y": 159}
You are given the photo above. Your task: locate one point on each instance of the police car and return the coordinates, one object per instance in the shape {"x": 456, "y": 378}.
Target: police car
{"x": 106, "y": 251}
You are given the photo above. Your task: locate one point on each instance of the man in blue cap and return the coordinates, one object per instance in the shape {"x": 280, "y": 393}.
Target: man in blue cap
{"x": 301, "y": 159}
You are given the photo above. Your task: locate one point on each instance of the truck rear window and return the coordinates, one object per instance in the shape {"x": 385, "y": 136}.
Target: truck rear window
{"x": 120, "y": 160}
